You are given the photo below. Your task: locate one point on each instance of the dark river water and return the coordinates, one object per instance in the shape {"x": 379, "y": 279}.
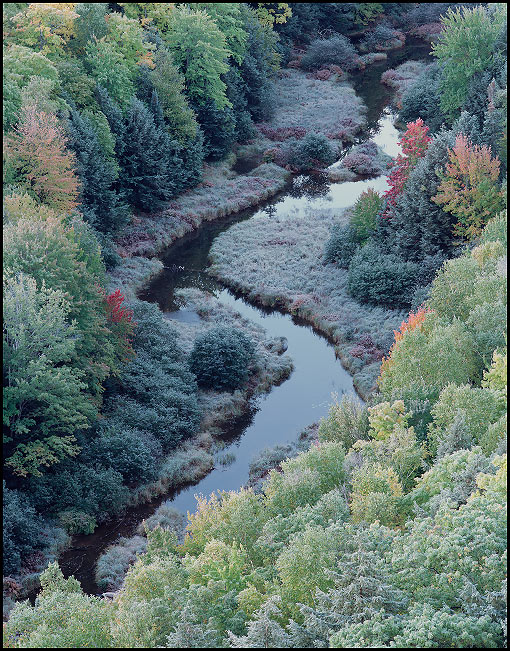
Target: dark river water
{"x": 279, "y": 416}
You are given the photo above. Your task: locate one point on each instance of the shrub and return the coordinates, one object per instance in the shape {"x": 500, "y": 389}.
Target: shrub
{"x": 77, "y": 522}
{"x": 96, "y": 491}
{"x": 346, "y": 422}
{"x": 381, "y": 279}
{"x": 221, "y": 358}
{"x": 341, "y": 246}
{"x": 362, "y": 164}
{"x": 379, "y": 38}
{"x": 335, "y": 50}
{"x": 363, "y": 219}
{"x": 171, "y": 417}
{"x": 166, "y": 517}
{"x": 314, "y": 150}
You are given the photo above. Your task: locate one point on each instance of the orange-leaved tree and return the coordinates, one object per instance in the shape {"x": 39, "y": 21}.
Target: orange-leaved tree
{"x": 36, "y": 153}
{"x": 469, "y": 189}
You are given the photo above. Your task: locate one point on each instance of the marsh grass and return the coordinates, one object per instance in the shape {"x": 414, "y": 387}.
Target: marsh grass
{"x": 113, "y": 564}
{"x": 226, "y": 459}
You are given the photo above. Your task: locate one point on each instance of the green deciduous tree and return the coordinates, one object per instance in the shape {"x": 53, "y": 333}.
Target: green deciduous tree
{"x": 110, "y": 69}
{"x": 466, "y": 47}
{"x": 199, "y": 50}
{"x": 45, "y": 398}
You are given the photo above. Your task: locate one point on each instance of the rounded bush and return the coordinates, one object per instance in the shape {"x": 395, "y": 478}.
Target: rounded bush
{"x": 381, "y": 279}
{"x": 335, "y": 50}
{"x": 221, "y": 358}
{"x": 314, "y": 150}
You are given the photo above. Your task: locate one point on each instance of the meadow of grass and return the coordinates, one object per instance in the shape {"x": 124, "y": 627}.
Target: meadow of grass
{"x": 300, "y": 100}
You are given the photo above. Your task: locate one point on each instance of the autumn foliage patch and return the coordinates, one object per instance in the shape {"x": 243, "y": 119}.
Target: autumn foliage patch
{"x": 414, "y": 144}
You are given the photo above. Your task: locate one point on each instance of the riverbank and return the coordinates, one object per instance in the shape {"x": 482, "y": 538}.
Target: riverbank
{"x": 205, "y": 451}
{"x": 220, "y": 193}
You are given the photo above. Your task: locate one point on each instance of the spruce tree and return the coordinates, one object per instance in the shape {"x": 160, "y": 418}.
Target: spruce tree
{"x": 151, "y": 169}
{"x": 362, "y": 589}
{"x": 114, "y": 117}
{"x": 100, "y": 203}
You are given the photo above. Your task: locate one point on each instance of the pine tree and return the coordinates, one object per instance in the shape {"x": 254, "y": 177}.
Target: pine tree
{"x": 150, "y": 165}
{"x": 263, "y": 632}
{"x": 100, "y": 203}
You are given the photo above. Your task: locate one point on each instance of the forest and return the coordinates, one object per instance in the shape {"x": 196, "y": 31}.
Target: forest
{"x": 195, "y": 196}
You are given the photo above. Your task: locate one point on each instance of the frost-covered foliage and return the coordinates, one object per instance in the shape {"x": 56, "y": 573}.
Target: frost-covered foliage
{"x": 402, "y": 77}
{"x": 299, "y": 100}
{"x": 278, "y": 261}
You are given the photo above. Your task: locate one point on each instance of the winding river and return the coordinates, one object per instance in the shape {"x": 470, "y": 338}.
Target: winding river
{"x": 279, "y": 416}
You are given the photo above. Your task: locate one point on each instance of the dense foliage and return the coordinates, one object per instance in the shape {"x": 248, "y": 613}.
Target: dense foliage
{"x": 221, "y": 358}
{"x": 389, "y": 530}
